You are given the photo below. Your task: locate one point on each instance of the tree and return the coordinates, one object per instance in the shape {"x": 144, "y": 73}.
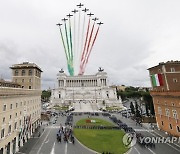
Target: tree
{"x": 152, "y": 109}
{"x": 149, "y": 102}
{"x": 147, "y": 109}
{"x": 46, "y": 94}
{"x": 137, "y": 112}
{"x": 132, "y": 108}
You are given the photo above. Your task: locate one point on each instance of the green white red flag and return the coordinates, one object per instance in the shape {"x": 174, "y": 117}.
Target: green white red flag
{"x": 157, "y": 80}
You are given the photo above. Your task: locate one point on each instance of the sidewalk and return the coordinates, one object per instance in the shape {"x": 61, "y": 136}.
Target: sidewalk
{"x": 26, "y": 148}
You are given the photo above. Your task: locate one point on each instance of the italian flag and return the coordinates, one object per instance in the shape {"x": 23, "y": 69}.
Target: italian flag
{"x": 157, "y": 80}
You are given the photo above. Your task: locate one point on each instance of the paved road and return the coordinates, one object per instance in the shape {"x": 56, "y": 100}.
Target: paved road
{"x": 161, "y": 148}
{"x": 47, "y": 144}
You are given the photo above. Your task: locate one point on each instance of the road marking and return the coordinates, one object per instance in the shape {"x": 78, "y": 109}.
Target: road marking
{"x": 43, "y": 142}
{"x": 42, "y": 133}
{"x": 55, "y": 126}
{"x": 162, "y": 136}
{"x": 65, "y": 152}
{"x": 47, "y": 141}
{"x": 52, "y": 151}
{"x": 137, "y": 150}
{"x": 143, "y": 130}
{"x": 129, "y": 151}
{"x": 166, "y": 143}
{"x": 150, "y": 150}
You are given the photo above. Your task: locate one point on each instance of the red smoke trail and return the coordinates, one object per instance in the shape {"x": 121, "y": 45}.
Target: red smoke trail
{"x": 85, "y": 40}
{"x": 86, "y": 53}
{"x": 84, "y": 49}
{"x": 85, "y": 63}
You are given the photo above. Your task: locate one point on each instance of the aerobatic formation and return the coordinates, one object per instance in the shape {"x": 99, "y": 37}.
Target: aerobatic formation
{"x": 78, "y": 34}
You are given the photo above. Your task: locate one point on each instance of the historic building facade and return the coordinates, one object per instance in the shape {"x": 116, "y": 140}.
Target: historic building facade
{"x": 84, "y": 88}
{"x": 165, "y": 80}
{"x": 20, "y": 107}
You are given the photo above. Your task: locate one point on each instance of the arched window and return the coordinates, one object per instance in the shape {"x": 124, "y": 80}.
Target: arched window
{"x": 16, "y": 73}
{"x": 30, "y": 72}
{"x": 23, "y": 72}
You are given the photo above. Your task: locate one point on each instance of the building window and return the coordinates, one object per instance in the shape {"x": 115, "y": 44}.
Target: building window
{"x": 30, "y": 80}
{"x": 4, "y": 119}
{"x": 11, "y": 106}
{"x": 9, "y": 129}
{"x": 16, "y": 73}
{"x": 20, "y": 112}
{"x": 162, "y": 123}
{"x": 10, "y": 116}
{"x": 23, "y": 72}
{"x": 178, "y": 129}
{"x": 172, "y": 69}
{"x": 30, "y": 73}
{"x": 4, "y": 108}
{"x": 29, "y": 87}
{"x": 167, "y": 112}
{"x": 159, "y": 70}
{"x": 2, "y": 133}
{"x": 175, "y": 114}
{"x": 16, "y": 114}
{"x": 15, "y": 125}
{"x": 20, "y": 122}
{"x": 159, "y": 110}
{"x": 22, "y": 80}
{"x": 175, "y": 80}
{"x": 16, "y": 105}
{"x": 170, "y": 126}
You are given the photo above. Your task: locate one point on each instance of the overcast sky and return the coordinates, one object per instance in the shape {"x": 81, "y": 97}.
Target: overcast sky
{"x": 136, "y": 35}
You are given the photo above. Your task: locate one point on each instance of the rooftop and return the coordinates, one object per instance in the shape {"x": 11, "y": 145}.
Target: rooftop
{"x": 4, "y": 83}
{"x": 166, "y": 63}
{"x": 25, "y": 65}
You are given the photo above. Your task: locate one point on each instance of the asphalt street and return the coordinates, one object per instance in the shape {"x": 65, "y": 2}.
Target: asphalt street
{"x": 160, "y": 148}
{"x": 47, "y": 144}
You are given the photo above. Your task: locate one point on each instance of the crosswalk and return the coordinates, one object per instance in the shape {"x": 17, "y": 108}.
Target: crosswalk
{"x": 54, "y": 127}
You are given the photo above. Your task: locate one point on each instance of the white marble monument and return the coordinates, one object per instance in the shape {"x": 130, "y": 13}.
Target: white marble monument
{"x": 84, "y": 88}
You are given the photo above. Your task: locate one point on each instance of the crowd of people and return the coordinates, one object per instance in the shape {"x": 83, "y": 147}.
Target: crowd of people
{"x": 66, "y": 133}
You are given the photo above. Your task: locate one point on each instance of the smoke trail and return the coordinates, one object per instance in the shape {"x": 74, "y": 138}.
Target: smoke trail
{"x": 75, "y": 65}
{"x": 86, "y": 53}
{"x": 82, "y": 56}
{"x": 67, "y": 39}
{"x": 70, "y": 34}
{"x": 90, "y": 50}
{"x": 63, "y": 44}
